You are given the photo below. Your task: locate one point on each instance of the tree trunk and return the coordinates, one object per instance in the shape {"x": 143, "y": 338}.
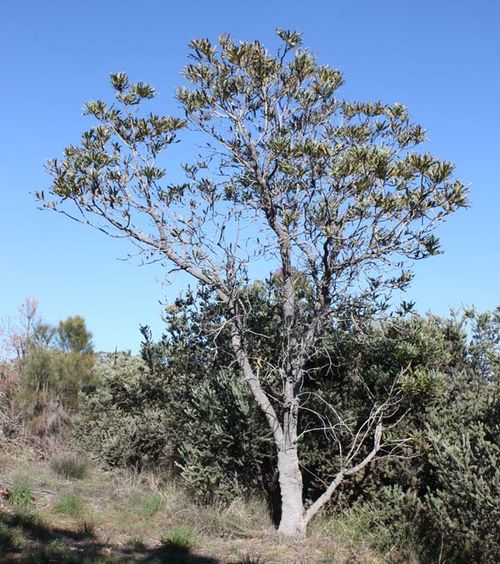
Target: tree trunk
{"x": 292, "y": 522}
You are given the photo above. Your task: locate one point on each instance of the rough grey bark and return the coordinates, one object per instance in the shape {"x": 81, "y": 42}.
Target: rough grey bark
{"x": 292, "y": 522}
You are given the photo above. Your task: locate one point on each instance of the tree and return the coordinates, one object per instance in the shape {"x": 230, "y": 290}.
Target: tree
{"x": 20, "y": 333}
{"x": 74, "y": 337}
{"x": 320, "y": 189}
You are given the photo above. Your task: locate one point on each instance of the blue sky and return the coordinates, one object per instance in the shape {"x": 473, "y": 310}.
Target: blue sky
{"x": 439, "y": 58}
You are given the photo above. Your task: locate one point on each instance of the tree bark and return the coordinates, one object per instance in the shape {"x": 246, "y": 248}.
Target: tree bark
{"x": 292, "y": 522}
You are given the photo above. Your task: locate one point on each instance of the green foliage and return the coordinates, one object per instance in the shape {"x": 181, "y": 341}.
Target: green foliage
{"x": 71, "y": 466}
{"x": 342, "y": 182}
{"x": 73, "y": 336}
{"x": 449, "y": 489}
{"x": 209, "y": 427}
{"x": 53, "y": 366}
{"x": 225, "y": 444}
{"x": 463, "y": 501}
{"x": 179, "y": 539}
{"x": 386, "y": 523}
{"x": 50, "y": 374}
{"x": 127, "y": 420}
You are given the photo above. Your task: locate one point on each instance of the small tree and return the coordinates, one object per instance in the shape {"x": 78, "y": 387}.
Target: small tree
{"x": 19, "y": 334}
{"x": 326, "y": 191}
{"x": 74, "y": 337}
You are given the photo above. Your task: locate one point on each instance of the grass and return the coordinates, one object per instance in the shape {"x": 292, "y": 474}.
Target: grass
{"x": 122, "y": 516}
{"x": 86, "y": 528}
{"x": 150, "y": 505}
{"x": 69, "y": 504}
{"x": 26, "y": 520}
{"x": 138, "y": 544}
{"x": 70, "y": 466}
{"x": 179, "y": 539}
{"x": 21, "y": 495}
{"x": 7, "y": 538}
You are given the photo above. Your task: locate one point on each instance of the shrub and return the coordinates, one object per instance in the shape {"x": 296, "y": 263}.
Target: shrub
{"x": 71, "y": 466}
{"x": 226, "y": 450}
{"x": 126, "y": 421}
{"x": 463, "y": 501}
{"x": 387, "y": 523}
{"x": 186, "y": 405}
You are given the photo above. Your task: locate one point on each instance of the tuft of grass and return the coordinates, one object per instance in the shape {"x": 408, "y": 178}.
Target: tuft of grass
{"x": 86, "y": 528}
{"x": 179, "y": 539}
{"x": 71, "y": 466}
{"x": 69, "y": 504}
{"x": 138, "y": 544}
{"x": 150, "y": 506}
{"x": 21, "y": 495}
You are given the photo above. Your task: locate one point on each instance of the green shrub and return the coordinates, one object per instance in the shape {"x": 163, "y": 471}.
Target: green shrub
{"x": 463, "y": 504}
{"x": 226, "y": 449}
{"x": 70, "y": 466}
{"x": 387, "y": 523}
{"x": 57, "y": 368}
{"x": 127, "y": 420}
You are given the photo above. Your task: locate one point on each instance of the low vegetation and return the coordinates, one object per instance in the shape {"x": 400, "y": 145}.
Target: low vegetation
{"x": 121, "y": 516}
{"x": 180, "y": 539}
{"x": 72, "y": 466}
{"x": 152, "y": 465}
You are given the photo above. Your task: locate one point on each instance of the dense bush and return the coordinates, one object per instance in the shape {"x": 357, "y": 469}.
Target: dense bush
{"x": 127, "y": 420}
{"x": 184, "y": 406}
{"x": 226, "y": 450}
{"x": 450, "y": 483}
{"x": 42, "y": 375}
{"x": 463, "y": 493}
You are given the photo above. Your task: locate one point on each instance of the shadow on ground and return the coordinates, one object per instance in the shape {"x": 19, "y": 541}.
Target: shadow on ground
{"x": 25, "y": 538}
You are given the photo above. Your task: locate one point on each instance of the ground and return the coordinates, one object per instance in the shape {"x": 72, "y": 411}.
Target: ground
{"x": 121, "y": 516}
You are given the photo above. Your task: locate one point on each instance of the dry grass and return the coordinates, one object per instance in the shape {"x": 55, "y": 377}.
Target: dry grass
{"x": 71, "y": 466}
{"x": 122, "y": 516}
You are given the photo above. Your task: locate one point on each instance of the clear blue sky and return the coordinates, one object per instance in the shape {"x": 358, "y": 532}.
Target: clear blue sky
{"x": 439, "y": 58}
